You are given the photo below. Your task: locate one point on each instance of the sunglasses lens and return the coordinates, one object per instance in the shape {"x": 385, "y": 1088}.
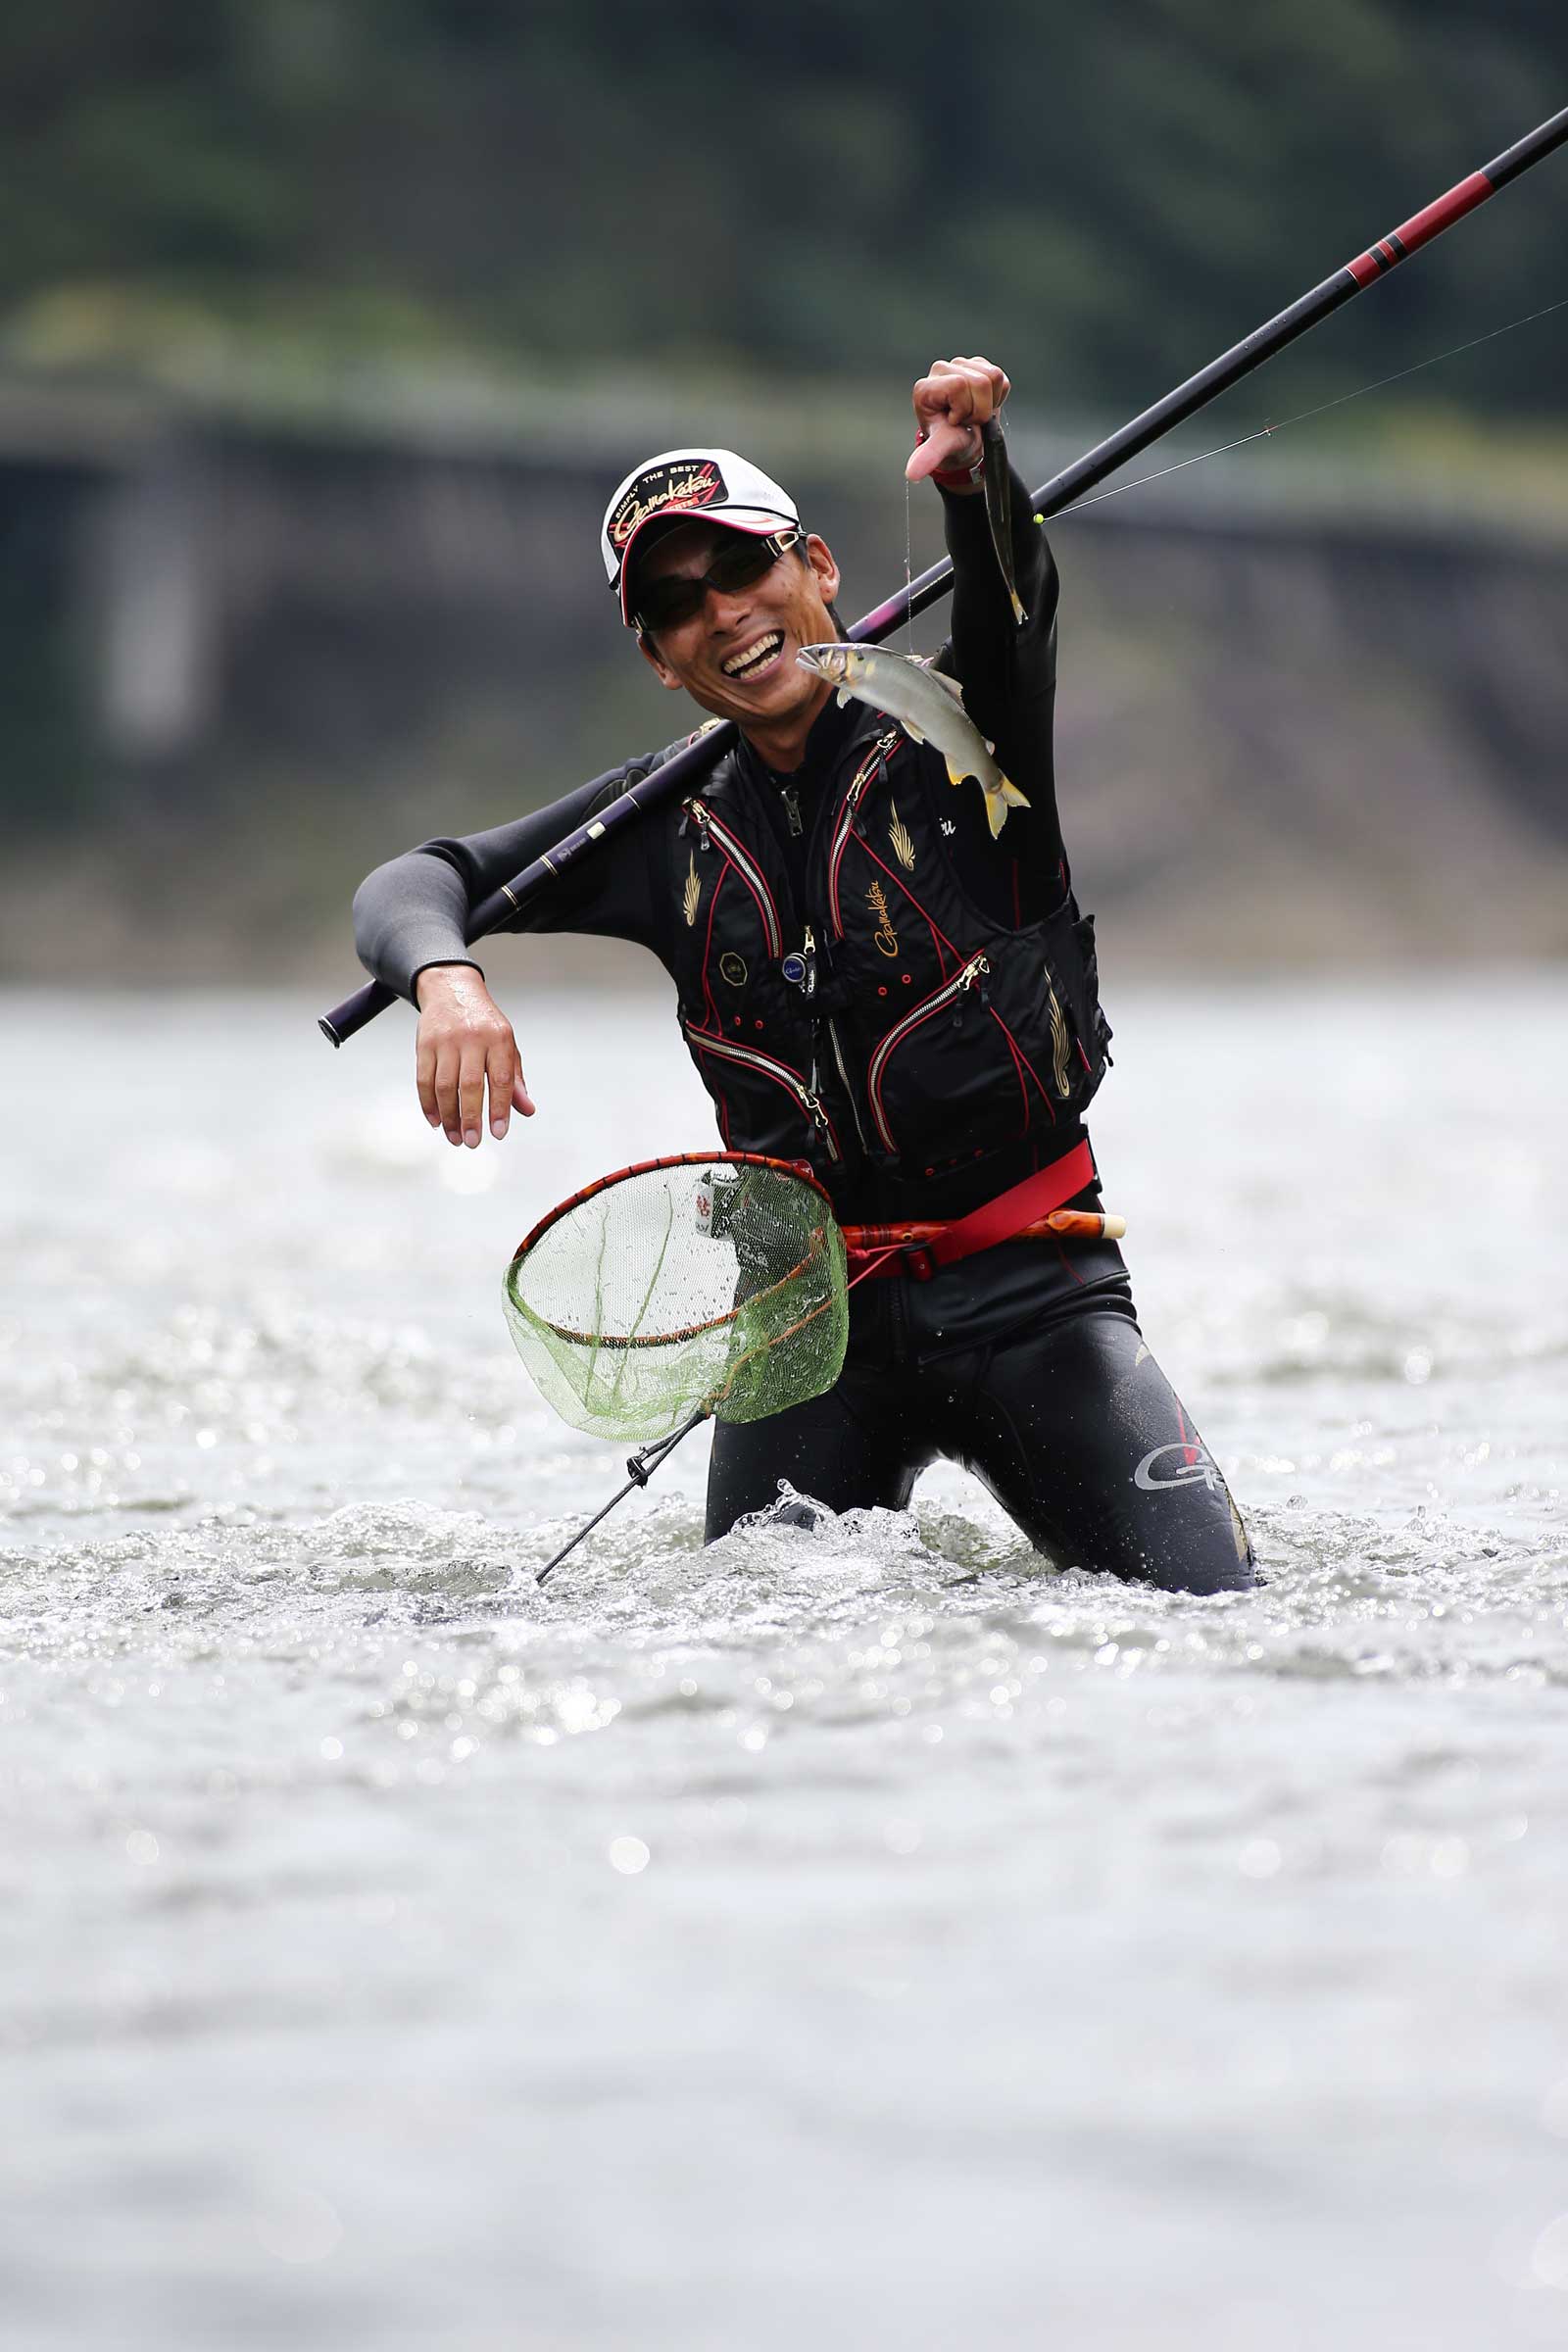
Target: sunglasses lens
{"x": 738, "y": 566}
{"x": 670, "y": 603}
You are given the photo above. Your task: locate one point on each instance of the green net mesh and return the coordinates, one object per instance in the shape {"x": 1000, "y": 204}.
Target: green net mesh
{"x": 706, "y": 1285}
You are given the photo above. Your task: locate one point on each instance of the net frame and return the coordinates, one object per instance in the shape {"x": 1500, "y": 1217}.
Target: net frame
{"x": 798, "y": 1171}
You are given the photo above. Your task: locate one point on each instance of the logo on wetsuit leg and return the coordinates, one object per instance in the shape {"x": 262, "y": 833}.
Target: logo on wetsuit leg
{"x": 1197, "y": 1465}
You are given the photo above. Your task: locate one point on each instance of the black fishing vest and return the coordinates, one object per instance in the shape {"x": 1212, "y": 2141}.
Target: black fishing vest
{"x": 889, "y": 1021}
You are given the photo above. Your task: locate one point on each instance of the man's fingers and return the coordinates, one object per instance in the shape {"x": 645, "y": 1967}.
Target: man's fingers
{"x": 471, "y": 1093}
{"x": 448, "y": 1073}
{"x": 425, "y": 1080}
{"x": 988, "y": 384}
{"x": 465, "y": 1050}
{"x": 951, "y": 403}
{"x": 945, "y": 445}
{"x": 961, "y": 389}
{"x": 501, "y": 1066}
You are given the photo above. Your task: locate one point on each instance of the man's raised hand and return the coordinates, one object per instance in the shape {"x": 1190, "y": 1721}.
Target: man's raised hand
{"x": 464, "y": 1042}
{"x": 951, "y": 405}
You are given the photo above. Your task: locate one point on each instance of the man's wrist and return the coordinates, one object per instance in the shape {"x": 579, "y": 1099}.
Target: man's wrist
{"x": 962, "y": 479}
{"x": 443, "y": 979}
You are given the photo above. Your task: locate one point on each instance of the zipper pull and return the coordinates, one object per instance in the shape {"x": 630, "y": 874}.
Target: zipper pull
{"x": 792, "y": 809}
{"x": 810, "y": 964}
{"x": 700, "y": 820}
{"x": 977, "y": 969}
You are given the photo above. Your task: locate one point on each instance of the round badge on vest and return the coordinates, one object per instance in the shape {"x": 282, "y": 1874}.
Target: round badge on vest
{"x": 732, "y": 967}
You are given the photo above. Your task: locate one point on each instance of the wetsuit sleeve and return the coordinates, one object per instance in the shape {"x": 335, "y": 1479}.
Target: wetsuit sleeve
{"x": 1010, "y": 674}
{"x": 414, "y": 911}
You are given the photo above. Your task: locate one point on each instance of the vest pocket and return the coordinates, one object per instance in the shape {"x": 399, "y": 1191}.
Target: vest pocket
{"x": 951, "y": 1073}
{"x": 725, "y": 1068}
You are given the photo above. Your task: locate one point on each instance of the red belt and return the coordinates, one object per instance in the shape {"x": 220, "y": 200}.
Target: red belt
{"x": 983, "y": 1228}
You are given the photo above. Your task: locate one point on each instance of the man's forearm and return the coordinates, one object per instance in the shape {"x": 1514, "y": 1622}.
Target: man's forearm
{"x": 414, "y": 911}
{"x": 1009, "y": 674}
{"x": 409, "y": 914}
{"x": 980, "y": 597}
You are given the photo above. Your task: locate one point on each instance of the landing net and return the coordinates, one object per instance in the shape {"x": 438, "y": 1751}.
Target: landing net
{"x": 712, "y": 1283}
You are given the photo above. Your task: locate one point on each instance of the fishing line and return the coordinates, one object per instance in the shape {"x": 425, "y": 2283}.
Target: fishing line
{"x": 1267, "y": 431}
{"x": 909, "y": 553}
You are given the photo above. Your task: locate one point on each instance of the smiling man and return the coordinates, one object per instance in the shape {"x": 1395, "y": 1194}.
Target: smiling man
{"x": 869, "y": 981}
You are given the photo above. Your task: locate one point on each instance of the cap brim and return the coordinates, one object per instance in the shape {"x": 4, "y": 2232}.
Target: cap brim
{"x": 755, "y": 519}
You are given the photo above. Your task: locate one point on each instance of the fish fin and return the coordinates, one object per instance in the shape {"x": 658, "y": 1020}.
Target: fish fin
{"x": 912, "y": 730}
{"x": 956, "y": 775}
{"x": 996, "y": 812}
{"x": 844, "y": 696}
{"x": 951, "y": 684}
{"x": 1010, "y": 794}
{"x": 1018, "y": 614}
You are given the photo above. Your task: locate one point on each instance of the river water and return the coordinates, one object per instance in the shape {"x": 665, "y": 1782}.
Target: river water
{"x": 850, "y": 1937}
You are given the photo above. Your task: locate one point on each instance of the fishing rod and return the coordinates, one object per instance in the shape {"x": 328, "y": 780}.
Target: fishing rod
{"x": 504, "y": 907}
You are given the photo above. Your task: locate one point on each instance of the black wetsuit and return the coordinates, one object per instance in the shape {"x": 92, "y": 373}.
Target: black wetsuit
{"x": 1025, "y": 1362}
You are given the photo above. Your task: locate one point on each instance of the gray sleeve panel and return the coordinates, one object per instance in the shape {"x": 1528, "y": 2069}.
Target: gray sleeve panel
{"x": 414, "y": 911}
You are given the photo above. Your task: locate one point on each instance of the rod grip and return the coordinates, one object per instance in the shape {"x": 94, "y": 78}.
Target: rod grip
{"x": 356, "y": 1012}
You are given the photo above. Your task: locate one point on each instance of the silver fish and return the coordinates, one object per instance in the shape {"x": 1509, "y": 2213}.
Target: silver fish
{"x": 927, "y": 705}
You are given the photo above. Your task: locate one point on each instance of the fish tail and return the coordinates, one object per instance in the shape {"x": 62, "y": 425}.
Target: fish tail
{"x": 1013, "y": 797}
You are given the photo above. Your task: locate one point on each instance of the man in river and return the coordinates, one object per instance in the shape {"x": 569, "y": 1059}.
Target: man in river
{"x": 870, "y": 981}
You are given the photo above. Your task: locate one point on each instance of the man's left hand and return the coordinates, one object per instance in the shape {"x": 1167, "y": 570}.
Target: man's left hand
{"x": 951, "y": 405}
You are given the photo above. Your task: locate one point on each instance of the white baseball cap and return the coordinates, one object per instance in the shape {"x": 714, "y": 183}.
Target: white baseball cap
{"x": 713, "y": 483}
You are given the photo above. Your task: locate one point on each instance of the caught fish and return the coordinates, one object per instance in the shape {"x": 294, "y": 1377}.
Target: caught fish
{"x": 928, "y": 707}
{"x": 997, "y": 483}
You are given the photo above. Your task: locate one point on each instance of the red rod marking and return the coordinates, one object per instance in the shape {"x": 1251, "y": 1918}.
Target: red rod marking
{"x": 1421, "y": 229}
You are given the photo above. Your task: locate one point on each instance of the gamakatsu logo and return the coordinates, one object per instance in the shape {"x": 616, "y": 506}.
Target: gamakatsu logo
{"x": 1195, "y": 1465}
{"x": 682, "y": 485}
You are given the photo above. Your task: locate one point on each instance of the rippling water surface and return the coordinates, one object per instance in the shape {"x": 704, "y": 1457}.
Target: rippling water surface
{"x": 850, "y": 1937}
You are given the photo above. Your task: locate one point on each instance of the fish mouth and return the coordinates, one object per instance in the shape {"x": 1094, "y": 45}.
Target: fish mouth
{"x": 823, "y": 661}
{"x": 753, "y": 658}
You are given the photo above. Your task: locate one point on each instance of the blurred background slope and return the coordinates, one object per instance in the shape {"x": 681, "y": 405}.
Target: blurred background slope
{"x": 325, "y": 328}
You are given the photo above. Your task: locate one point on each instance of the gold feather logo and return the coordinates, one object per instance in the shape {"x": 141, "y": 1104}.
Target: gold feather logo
{"x": 1060, "y": 1047}
{"x": 899, "y": 835}
{"x": 692, "y": 893}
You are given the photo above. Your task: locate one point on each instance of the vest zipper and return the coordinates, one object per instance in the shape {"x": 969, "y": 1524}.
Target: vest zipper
{"x": 864, "y": 779}
{"x": 952, "y": 993}
{"x": 750, "y": 873}
{"x": 844, "y": 1077}
{"x": 792, "y": 810}
{"x": 782, "y": 1075}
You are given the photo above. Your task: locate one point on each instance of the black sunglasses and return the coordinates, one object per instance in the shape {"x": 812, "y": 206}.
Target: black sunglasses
{"x": 669, "y": 604}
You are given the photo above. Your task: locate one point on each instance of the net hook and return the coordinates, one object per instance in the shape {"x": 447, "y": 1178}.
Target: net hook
{"x": 639, "y": 1467}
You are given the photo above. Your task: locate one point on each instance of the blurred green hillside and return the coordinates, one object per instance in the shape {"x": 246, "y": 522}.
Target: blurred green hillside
{"x": 1102, "y": 195}
{"x": 326, "y": 327}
